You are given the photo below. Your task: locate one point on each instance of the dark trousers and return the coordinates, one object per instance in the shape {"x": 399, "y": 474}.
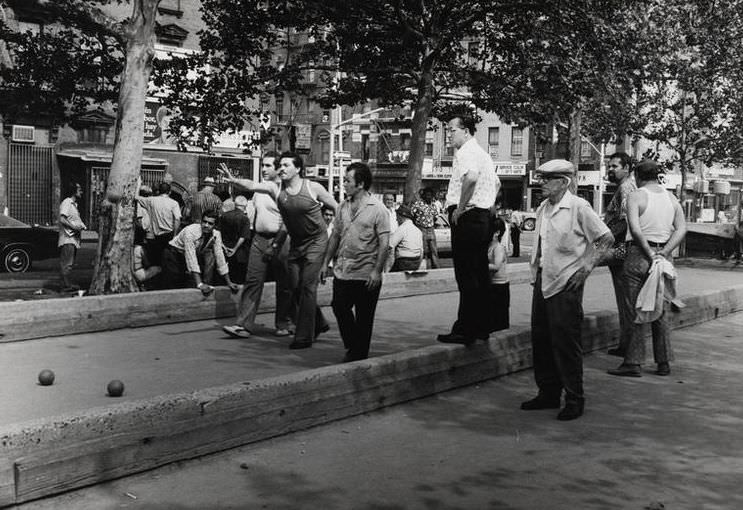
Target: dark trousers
{"x": 174, "y": 269}
{"x": 354, "y": 306}
{"x": 430, "y": 248}
{"x": 470, "y": 238}
{"x": 406, "y": 264}
{"x": 156, "y": 246}
{"x": 625, "y": 307}
{"x": 516, "y": 240}
{"x": 304, "y": 275}
{"x": 556, "y": 342}
{"x": 67, "y": 253}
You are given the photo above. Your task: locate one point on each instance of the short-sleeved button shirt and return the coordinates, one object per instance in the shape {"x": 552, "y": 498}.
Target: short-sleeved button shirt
{"x": 358, "y": 237}
{"x": 424, "y": 215}
{"x": 67, "y": 235}
{"x": 565, "y": 231}
{"x": 470, "y": 156}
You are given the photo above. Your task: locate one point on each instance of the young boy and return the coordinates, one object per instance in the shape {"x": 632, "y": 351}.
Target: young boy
{"x": 500, "y": 292}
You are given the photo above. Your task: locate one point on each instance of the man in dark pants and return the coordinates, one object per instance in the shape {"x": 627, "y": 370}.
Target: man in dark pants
{"x": 472, "y": 191}
{"x": 71, "y": 227}
{"x": 165, "y": 219}
{"x": 571, "y": 240}
{"x": 620, "y": 172}
{"x": 359, "y": 246}
{"x": 516, "y": 221}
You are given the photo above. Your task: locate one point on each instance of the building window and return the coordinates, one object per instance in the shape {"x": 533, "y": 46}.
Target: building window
{"x": 517, "y": 141}
{"x": 171, "y": 7}
{"x": 429, "y": 149}
{"x": 447, "y": 142}
{"x": 279, "y": 106}
{"x": 405, "y": 141}
{"x": 493, "y": 141}
{"x": 93, "y": 134}
{"x": 585, "y": 149}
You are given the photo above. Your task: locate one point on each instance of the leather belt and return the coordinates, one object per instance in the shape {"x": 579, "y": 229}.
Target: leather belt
{"x": 652, "y": 244}
{"x": 267, "y": 235}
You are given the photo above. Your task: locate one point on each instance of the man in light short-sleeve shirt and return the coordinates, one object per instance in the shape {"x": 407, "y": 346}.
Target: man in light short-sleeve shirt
{"x": 571, "y": 240}
{"x": 71, "y": 227}
{"x": 472, "y": 191}
{"x": 359, "y": 245}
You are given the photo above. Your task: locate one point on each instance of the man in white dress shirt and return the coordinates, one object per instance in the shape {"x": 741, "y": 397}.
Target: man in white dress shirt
{"x": 472, "y": 191}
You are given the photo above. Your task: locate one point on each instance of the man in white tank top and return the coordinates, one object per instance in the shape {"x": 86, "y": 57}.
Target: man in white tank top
{"x": 656, "y": 226}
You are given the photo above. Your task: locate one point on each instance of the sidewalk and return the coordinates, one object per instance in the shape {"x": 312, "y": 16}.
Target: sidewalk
{"x": 191, "y": 390}
{"x": 642, "y": 443}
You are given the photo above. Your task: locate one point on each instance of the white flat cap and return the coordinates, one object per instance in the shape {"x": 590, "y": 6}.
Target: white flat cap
{"x": 557, "y": 167}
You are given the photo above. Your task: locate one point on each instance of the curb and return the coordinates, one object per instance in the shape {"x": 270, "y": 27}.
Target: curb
{"x": 46, "y": 457}
{"x": 69, "y": 316}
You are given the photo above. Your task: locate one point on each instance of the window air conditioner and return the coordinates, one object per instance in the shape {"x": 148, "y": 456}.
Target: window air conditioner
{"x": 22, "y": 134}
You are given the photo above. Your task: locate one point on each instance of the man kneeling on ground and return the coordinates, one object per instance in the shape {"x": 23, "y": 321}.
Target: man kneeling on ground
{"x": 183, "y": 258}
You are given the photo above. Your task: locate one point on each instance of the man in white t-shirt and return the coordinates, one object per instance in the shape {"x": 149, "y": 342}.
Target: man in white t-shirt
{"x": 389, "y": 203}
{"x": 472, "y": 191}
{"x": 71, "y": 227}
{"x": 406, "y": 243}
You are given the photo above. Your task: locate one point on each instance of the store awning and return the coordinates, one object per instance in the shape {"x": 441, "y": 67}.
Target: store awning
{"x": 100, "y": 156}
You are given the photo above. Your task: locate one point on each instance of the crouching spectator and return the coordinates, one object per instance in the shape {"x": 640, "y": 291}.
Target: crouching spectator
{"x": 143, "y": 271}
{"x": 186, "y": 254}
{"x": 406, "y": 242}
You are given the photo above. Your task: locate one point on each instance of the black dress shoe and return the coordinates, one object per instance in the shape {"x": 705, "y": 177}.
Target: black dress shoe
{"x": 571, "y": 411}
{"x": 300, "y": 345}
{"x": 616, "y": 351}
{"x": 625, "y": 370}
{"x": 541, "y": 402}
{"x": 349, "y": 357}
{"x": 454, "y": 338}
{"x": 322, "y": 329}
{"x": 663, "y": 369}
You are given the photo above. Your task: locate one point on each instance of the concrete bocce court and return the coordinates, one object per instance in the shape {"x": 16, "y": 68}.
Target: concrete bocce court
{"x": 190, "y": 391}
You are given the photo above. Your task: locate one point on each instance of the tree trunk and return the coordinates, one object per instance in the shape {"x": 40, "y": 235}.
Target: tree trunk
{"x": 574, "y": 145}
{"x": 419, "y": 125}
{"x": 113, "y": 273}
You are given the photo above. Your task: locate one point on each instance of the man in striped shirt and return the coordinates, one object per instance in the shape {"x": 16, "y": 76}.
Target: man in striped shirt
{"x": 205, "y": 200}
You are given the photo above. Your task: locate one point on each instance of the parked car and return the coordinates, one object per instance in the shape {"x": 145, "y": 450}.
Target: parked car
{"x": 21, "y": 244}
{"x": 443, "y": 235}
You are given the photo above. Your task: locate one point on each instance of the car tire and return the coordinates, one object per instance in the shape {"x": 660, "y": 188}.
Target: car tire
{"x": 16, "y": 259}
{"x": 529, "y": 224}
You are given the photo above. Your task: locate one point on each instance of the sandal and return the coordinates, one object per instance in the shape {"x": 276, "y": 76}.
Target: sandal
{"x": 236, "y": 331}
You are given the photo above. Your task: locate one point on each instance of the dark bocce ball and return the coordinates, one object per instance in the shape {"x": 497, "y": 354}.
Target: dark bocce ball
{"x": 115, "y": 388}
{"x": 46, "y": 377}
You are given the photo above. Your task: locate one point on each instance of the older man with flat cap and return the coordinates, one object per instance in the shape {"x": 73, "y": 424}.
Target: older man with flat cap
{"x": 571, "y": 240}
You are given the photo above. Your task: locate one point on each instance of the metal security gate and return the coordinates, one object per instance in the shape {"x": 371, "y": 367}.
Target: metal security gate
{"x": 99, "y": 181}
{"x": 241, "y": 167}
{"x": 30, "y": 183}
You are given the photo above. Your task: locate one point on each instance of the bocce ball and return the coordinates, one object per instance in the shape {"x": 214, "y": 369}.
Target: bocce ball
{"x": 115, "y": 388}
{"x": 46, "y": 377}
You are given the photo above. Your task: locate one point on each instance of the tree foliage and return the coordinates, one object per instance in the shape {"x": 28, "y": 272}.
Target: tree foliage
{"x": 71, "y": 66}
{"x": 691, "y": 104}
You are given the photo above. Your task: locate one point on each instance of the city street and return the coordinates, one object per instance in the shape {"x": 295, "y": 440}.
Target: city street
{"x": 651, "y": 443}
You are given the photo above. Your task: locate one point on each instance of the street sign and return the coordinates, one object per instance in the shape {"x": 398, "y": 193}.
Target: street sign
{"x": 341, "y": 155}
